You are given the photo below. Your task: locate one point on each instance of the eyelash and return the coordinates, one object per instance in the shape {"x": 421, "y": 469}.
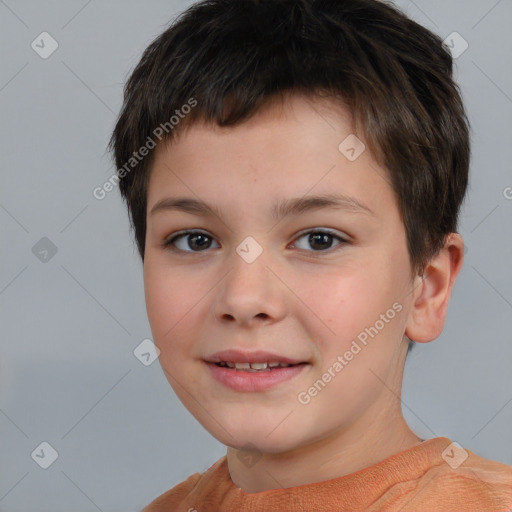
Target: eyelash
{"x": 168, "y": 242}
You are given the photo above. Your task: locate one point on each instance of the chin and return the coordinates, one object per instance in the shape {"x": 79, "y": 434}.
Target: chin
{"x": 261, "y": 445}
{"x": 260, "y": 440}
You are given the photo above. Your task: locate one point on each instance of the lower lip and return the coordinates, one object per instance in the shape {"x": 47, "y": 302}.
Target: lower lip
{"x": 241, "y": 380}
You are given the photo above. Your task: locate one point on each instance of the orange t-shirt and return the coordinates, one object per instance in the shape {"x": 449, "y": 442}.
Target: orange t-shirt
{"x": 431, "y": 476}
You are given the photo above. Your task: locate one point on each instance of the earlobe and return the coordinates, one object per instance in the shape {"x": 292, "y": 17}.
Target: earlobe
{"x": 432, "y": 291}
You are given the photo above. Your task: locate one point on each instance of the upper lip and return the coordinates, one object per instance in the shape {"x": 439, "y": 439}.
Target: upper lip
{"x": 243, "y": 356}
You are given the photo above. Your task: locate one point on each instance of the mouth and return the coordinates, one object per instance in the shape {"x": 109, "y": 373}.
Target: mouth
{"x": 253, "y": 372}
{"x": 258, "y": 360}
{"x": 255, "y": 367}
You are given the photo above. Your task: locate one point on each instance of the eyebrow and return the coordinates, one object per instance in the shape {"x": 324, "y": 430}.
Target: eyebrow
{"x": 294, "y": 206}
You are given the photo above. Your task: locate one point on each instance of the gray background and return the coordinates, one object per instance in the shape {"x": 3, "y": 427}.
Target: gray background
{"x": 68, "y": 375}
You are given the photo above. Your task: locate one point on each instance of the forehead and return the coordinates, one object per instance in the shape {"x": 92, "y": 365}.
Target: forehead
{"x": 297, "y": 117}
{"x": 291, "y": 148}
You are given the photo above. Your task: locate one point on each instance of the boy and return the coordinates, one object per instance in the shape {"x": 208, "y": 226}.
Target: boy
{"x": 293, "y": 172}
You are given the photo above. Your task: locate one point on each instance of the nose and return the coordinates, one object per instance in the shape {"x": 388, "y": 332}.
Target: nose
{"x": 250, "y": 294}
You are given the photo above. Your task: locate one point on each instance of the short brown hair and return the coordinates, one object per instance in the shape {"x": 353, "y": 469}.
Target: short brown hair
{"x": 232, "y": 57}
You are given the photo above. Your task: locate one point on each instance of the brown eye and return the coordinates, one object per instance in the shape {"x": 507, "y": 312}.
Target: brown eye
{"x": 190, "y": 241}
{"x": 320, "y": 240}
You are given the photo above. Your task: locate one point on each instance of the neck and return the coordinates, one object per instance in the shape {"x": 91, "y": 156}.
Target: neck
{"x": 336, "y": 456}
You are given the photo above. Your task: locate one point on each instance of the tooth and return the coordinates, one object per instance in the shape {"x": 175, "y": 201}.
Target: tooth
{"x": 254, "y": 367}
{"x": 259, "y": 366}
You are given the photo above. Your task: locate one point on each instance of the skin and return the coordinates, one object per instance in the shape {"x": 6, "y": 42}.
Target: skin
{"x": 298, "y": 299}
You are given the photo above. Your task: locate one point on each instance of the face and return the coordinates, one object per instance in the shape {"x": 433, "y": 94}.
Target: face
{"x": 325, "y": 286}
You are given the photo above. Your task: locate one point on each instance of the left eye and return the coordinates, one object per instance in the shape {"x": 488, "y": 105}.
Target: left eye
{"x": 321, "y": 240}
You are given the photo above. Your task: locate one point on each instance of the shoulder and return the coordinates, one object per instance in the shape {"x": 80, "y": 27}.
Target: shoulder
{"x": 477, "y": 484}
{"x": 178, "y": 494}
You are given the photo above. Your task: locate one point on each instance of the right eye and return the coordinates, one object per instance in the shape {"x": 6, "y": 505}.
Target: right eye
{"x": 189, "y": 240}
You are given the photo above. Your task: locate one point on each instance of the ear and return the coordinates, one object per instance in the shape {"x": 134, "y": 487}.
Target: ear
{"x": 432, "y": 290}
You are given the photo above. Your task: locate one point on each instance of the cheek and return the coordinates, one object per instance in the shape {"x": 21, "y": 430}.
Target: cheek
{"x": 351, "y": 304}
{"x": 169, "y": 301}
{"x": 347, "y": 301}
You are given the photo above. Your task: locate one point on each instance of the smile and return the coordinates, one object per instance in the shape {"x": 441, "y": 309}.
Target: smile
{"x": 255, "y": 367}
{"x": 254, "y": 377}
